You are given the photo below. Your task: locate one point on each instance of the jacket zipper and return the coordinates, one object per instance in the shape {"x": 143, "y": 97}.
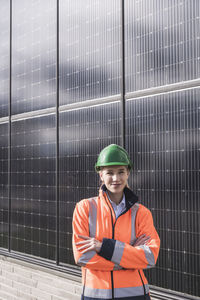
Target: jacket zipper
{"x": 142, "y": 284}
{"x": 113, "y": 236}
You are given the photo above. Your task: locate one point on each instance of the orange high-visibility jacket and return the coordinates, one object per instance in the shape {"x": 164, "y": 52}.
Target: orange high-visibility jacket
{"x": 116, "y": 271}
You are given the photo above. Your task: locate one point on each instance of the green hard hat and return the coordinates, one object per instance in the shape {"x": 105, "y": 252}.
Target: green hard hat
{"x": 113, "y": 155}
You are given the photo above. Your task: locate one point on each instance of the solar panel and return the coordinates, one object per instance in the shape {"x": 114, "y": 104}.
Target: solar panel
{"x": 89, "y": 49}
{"x": 83, "y": 134}
{"x": 33, "y": 194}
{"x": 162, "y": 42}
{"x": 4, "y": 185}
{"x": 164, "y": 146}
{"x": 4, "y": 57}
{"x": 33, "y": 55}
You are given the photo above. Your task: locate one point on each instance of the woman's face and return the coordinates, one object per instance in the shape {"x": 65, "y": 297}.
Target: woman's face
{"x": 115, "y": 178}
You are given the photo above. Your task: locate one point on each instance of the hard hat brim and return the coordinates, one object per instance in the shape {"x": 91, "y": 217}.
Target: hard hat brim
{"x": 98, "y": 168}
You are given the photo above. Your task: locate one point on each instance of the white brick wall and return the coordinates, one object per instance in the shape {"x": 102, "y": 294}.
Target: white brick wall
{"x": 24, "y": 281}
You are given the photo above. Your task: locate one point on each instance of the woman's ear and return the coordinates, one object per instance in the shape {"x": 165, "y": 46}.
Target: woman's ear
{"x": 100, "y": 175}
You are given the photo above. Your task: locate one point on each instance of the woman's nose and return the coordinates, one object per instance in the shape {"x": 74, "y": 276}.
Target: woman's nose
{"x": 115, "y": 177}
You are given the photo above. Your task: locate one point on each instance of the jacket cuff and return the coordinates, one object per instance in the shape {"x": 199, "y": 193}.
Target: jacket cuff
{"x": 107, "y": 248}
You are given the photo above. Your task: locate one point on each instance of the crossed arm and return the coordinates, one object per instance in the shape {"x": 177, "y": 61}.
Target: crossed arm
{"x": 110, "y": 254}
{"x": 89, "y": 244}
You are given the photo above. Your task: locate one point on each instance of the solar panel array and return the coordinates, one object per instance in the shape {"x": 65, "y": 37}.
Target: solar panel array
{"x": 162, "y": 46}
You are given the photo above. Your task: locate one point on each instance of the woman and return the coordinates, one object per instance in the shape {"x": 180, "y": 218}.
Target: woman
{"x": 113, "y": 236}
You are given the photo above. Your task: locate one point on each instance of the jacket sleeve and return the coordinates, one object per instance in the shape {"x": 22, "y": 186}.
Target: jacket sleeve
{"x": 89, "y": 259}
{"x": 139, "y": 257}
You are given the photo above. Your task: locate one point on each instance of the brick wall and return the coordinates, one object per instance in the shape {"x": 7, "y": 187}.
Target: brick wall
{"x": 20, "y": 280}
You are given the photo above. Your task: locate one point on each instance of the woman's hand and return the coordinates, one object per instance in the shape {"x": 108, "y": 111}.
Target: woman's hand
{"x": 88, "y": 244}
{"x": 142, "y": 240}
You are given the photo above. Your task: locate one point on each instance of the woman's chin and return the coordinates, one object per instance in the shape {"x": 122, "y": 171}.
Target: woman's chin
{"x": 116, "y": 189}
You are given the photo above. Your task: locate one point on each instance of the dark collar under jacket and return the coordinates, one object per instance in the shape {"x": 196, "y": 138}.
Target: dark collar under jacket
{"x": 130, "y": 197}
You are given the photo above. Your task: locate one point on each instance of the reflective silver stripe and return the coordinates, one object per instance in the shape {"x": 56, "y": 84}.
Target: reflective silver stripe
{"x": 118, "y": 252}
{"x": 118, "y": 292}
{"x": 149, "y": 256}
{"x": 85, "y": 258}
{"x": 98, "y": 293}
{"x": 92, "y": 216}
{"x": 134, "y": 210}
{"x": 130, "y": 291}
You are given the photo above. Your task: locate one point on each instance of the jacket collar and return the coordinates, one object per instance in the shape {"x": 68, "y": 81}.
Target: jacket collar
{"x": 130, "y": 197}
